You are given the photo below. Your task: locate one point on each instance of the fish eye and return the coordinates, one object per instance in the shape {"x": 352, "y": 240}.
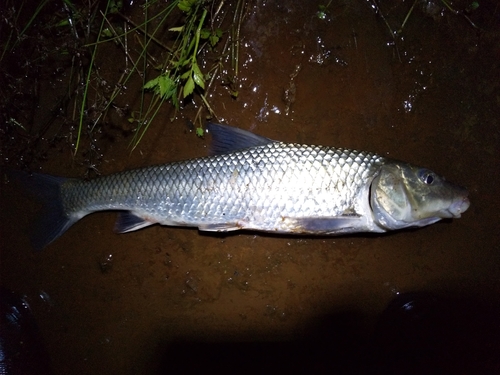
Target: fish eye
{"x": 426, "y": 176}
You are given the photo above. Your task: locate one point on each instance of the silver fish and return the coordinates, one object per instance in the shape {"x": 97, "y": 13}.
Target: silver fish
{"x": 252, "y": 182}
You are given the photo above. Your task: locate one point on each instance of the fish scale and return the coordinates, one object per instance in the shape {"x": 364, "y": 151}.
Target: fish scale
{"x": 252, "y": 182}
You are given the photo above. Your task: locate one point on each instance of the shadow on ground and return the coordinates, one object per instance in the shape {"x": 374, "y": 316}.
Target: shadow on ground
{"x": 418, "y": 333}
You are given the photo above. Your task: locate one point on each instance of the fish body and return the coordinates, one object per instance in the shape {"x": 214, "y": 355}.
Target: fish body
{"x": 255, "y": 183}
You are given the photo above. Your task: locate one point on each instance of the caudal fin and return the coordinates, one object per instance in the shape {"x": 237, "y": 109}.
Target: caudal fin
{"x": 53, "y": 221}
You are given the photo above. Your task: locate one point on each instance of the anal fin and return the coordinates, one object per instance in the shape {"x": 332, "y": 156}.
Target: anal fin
{"x": 127, "y": 221}
{"x": 219, "y": 227}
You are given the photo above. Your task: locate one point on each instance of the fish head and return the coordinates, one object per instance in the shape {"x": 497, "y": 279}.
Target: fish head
{"x": 403, "y": 195}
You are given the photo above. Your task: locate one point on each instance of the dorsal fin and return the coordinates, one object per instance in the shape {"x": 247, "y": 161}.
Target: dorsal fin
{"x": 226, "y": 139}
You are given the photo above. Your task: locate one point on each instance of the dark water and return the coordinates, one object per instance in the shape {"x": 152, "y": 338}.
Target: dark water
{"x": 171, "y": 299}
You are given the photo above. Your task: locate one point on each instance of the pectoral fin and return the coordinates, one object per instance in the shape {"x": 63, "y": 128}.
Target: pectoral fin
{"x": 327, "y": 225}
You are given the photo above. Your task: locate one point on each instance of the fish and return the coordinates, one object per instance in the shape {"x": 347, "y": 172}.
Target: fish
{"x": 250, "y": 182}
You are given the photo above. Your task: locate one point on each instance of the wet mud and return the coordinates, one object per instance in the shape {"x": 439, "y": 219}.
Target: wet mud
{"x": 164, "y": 298}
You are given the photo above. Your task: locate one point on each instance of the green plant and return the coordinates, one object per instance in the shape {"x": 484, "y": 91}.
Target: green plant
{"x": 16, "y": 36}
{"x": 171, "y": 52}
{"x": 181, "y": 69}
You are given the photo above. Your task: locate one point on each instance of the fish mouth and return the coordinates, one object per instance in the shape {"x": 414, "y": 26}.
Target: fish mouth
{"x": 458, "y": 207}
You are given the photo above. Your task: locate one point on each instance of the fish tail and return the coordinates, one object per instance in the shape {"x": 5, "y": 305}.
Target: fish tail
{"x": 53, "y": 220}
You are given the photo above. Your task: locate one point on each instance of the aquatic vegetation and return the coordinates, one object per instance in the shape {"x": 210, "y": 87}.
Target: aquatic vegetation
{"x": 109, "y": 55}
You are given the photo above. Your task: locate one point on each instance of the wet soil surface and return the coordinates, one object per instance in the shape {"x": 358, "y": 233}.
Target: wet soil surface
{"x": 164, "y": 298}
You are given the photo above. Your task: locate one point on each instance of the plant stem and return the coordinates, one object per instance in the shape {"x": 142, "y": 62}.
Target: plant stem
{"x": 407, "y": 17}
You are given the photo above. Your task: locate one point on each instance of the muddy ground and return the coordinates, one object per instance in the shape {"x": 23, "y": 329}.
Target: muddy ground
{"x": 163, "y": 298}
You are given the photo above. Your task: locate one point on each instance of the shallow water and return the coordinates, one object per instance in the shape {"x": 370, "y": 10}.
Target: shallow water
{"x": 145, "y": 302}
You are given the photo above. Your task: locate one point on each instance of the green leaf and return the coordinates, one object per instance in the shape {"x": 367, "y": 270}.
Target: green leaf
{"x": 164, "y": 84}
{"x": 188, "y": 87}
{"x": 186, "y": 5}
{"x": 214, "y": 39}
{"x": 106, "y": 33}
{"x": 199, "y": 81}
{"x": 177, "y": 29}
{"x": 62, "y": 23}
{"x": 321, "y": 13}
{"x": 199, "y": 132}
{"x": 204, "y": 33}
{"x": 198, "y": 76}
{"x": 115, "y": 6}
{"x": 196, "y": 69}
{"x": 151, "y": 84}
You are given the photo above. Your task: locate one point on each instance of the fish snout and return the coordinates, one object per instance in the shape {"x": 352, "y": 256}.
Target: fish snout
{"x": 459, "y": 206}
